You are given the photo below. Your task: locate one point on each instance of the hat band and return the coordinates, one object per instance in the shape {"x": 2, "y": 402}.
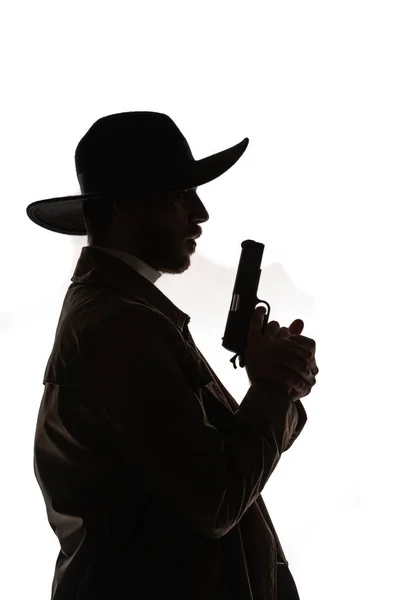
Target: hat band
{"x": 170, "y": 178}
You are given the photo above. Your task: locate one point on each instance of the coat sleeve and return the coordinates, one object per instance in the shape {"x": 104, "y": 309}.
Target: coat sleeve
{"x": 160, "y": 426}
{"x": 301, "y": 421}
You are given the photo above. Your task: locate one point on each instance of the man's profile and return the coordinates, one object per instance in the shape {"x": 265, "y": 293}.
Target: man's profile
{"x": 159, "y": 229}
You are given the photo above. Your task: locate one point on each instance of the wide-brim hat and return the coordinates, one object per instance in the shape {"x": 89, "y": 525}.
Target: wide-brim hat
{"x": 131, "y": 153}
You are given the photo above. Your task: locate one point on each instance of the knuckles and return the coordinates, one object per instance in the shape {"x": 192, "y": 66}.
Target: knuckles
{"x": 304, "y": 341}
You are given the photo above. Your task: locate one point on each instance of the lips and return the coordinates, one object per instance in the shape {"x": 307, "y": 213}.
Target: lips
{"x": 194, "y": 236}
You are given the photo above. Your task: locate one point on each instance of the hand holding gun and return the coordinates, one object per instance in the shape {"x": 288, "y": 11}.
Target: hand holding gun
{"x": 281, "y": 356}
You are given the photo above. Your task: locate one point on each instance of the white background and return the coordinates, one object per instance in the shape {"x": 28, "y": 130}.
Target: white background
{"x": 315, "y": 86}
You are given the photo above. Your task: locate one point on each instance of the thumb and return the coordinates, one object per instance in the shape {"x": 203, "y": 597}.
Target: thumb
{"x": 296, "y": 327}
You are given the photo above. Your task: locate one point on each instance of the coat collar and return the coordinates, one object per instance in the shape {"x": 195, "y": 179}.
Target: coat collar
{"x": 128, "y": 275}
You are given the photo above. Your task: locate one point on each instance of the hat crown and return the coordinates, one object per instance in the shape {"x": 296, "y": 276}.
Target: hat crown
{"x": 142, "y": 137}
{"x": 141, "y": 149}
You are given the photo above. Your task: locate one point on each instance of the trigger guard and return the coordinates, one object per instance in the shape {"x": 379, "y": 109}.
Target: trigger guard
{"x": 266, "y": 316}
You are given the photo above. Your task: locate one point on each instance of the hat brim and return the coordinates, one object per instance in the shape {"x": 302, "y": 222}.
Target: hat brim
{"x": 65, "y": 215}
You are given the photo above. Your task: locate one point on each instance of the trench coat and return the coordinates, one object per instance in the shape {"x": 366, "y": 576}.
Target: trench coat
{"x": 151, "y": 472}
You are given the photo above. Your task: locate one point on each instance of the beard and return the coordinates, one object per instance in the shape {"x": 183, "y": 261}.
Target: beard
{"x": 167, "y": 254}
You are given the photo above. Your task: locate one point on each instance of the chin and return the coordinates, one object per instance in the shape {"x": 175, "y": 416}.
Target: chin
{"x": 175, "y": 269}
{"x": 173, "y": 263}
{"x": 176, "y": 266}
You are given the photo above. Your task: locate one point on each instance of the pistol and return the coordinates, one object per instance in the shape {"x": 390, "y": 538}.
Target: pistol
{"x": 244, "y": 300}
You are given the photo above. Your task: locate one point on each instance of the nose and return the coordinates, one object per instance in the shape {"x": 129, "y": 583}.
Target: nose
{"x": 196, "y": 213}
{"x": 201, "y": 212}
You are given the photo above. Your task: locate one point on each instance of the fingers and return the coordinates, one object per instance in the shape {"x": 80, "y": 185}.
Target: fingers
{"x": 300, "y": 378}
{"x": 296, "y": 327}
{"x": 302, "y": 387}
{"x": 303, "y": 353}
{"x": 272, "y": 330}
{"x": 256, "y": 322}
{"x": 295, "y": 375}
{"x": 309, "y": 343}
{"x": 304, "y": 341}
{"x": 258, "y": 326}
{"x": 300, "y": 391}
{"x": 299, "y": 349}
{"x": 283, "y": 332}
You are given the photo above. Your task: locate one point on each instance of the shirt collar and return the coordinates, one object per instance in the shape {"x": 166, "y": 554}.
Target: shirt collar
{"x": 133, "y": 261}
